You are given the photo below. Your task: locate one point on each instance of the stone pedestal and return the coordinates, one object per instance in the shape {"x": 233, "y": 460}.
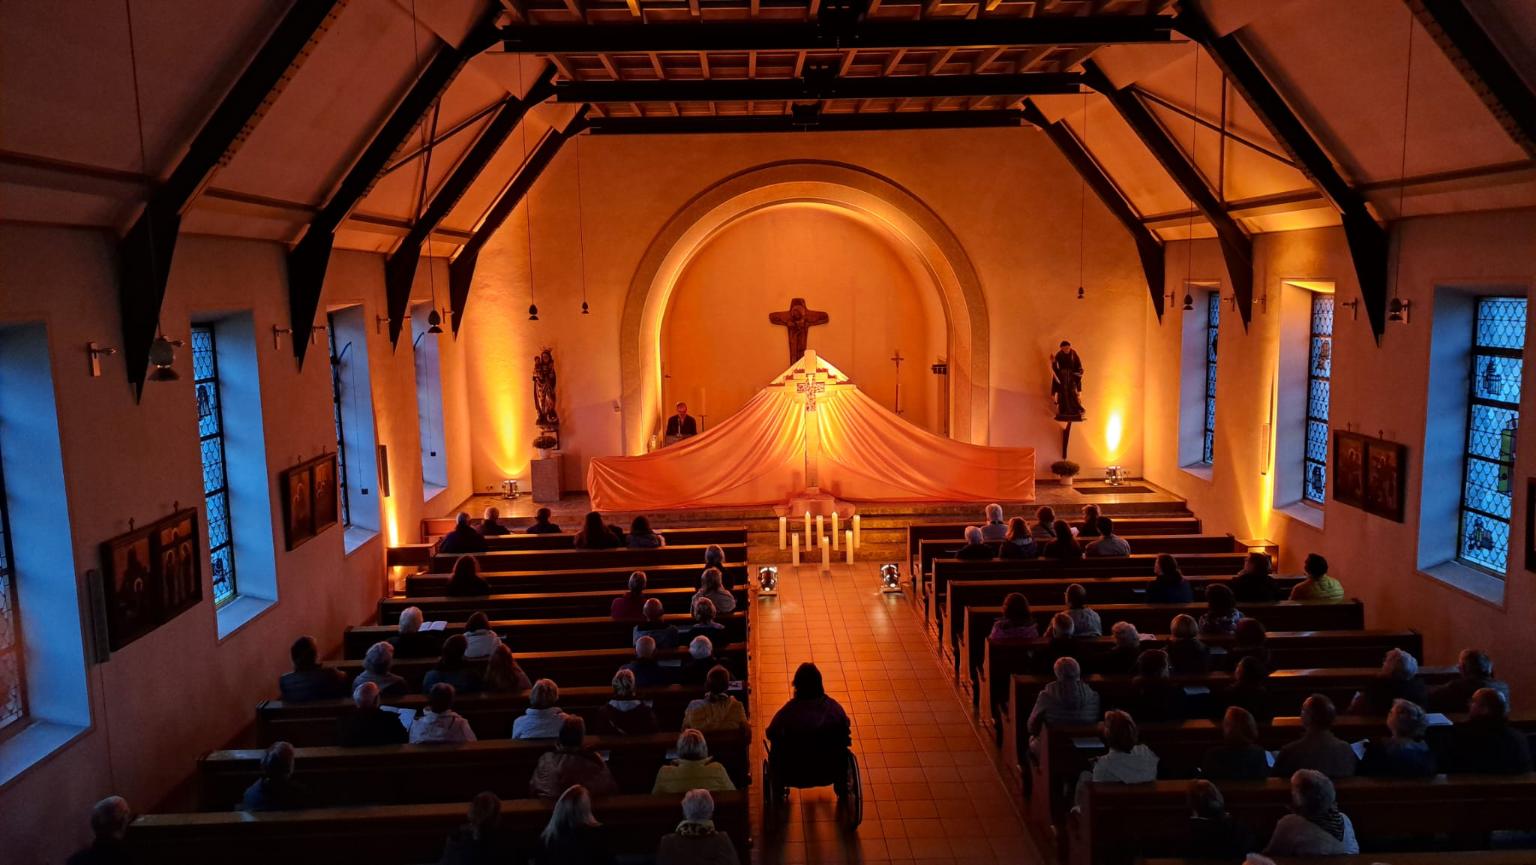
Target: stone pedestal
{"x": 546, "y": 478}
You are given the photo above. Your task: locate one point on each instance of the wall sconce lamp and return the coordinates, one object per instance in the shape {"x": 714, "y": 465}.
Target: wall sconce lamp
{"x": 1189, "y": 300}
{"x": 434, "y": 321}
{"x": 890, "y": 578}
{"x": 162, "y": 354}
{"x": 378, "y": 323}
{"x": 1354, "y": 308}
{"x": 277, "y": 334}
{"x": 96, "y": 352}
{"x": 768, "y": 580}
{"x": 1398, "y": 310}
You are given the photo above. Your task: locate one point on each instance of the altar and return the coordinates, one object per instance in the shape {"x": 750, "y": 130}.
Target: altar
{"x": 811, "y": 433}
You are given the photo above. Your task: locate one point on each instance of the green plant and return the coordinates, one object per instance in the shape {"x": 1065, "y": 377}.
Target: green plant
{"x": 545, "y": 442}
{"x": 1065, "y": 468}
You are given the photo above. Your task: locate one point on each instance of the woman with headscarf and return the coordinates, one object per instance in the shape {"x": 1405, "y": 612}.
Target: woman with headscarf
{"x": 1316, "y": 828}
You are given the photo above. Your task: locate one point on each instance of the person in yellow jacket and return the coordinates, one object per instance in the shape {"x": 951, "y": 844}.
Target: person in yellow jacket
{"x": 694, "y": 770}
{"x": 718, "y": 710}
{"x": 1318, "y": 586}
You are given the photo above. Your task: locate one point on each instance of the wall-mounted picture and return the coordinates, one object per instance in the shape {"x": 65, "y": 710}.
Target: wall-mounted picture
{"x": 1349, "y": 468}
{"x": 309, "y": 499}
{"x": 150, "y": 576}
{"x": 1385, "y": 481}
{"x": 1530, "y": 524}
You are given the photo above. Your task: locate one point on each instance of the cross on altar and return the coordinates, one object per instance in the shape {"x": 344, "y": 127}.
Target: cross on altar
{"x": 810, "y": 381}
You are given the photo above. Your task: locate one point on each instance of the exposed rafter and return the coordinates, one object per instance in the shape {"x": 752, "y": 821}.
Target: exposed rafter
{"x": 400, "y": 267}
{"x": 815, "y": 87}
{"x": 1483, "y": 65}
{"x": 1368, "y": 243}
{"x": 806, "y": 118}
{"x": 1148, "y": 247}
{"x": 1236, "y": 247}
{"x": 144, "y": 253}
{"x": 308, "y": 260}
{"x": 461, "y": 272}
{"x": 839, "y": 33}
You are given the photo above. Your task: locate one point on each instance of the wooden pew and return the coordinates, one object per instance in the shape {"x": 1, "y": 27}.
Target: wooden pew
{"x": 1180, "y": 746}
{"x": 1179, "y": 545}
{"x": 1461, "y": 857}
{"x": 1185, "y": 524}
{"x": 314, "y": 723}
{"x": 1136, "y": 565}
{"x": 575, "y": 560}
{"x": 399, "y": 834}
{"x": 612, "y": 579}
{"x": 405, "y": 774}
{"x": 1292, "y": 650}
{"x": 535, "y": 605}
{"x": 1287, "y": 689}
{"x": 433, "y": 529}
{"x": 527, "y": 635}
{"x": 1121, "y": 821}
{"x": 568, "y": 668}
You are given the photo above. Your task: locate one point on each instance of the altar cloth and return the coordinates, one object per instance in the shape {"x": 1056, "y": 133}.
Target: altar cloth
{"x": 864, "y": 453}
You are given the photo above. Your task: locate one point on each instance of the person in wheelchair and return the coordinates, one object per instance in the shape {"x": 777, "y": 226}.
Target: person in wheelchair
{"x": 810, "y": 736}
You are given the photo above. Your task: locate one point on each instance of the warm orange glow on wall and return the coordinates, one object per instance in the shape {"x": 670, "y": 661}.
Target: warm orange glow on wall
{"x": 1114, "y": 434}
{"x": 392, "y": 522}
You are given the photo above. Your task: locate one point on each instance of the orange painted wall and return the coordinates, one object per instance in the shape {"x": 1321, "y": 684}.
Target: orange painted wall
{"x": 717, "y": 342}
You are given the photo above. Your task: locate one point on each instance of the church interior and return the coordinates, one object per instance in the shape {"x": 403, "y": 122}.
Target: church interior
{"x": 355, "y": 355}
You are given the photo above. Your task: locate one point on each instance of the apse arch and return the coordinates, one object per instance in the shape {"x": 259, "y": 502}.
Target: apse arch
{"x": 868, "y": 196}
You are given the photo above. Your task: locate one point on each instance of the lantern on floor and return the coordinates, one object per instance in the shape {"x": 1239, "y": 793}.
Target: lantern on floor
{"x": 768, "y": 580}
{"x": 890, "y": 577}
{"x": 1114, "y": 475}
{"x": 510, "y": 485}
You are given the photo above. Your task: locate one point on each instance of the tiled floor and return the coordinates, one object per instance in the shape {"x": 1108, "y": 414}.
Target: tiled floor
{"x": 932, "y": 793}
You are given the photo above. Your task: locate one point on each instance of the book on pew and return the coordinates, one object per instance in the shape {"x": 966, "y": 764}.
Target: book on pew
{"x": 1437, "y": 719}
{"x": 433, "y": 626}
{"x": 1088, "y": 743}
{"x": 1196, "y": 690}
{"x": 405, "y": 715}
{"x": 1359, "y": 748}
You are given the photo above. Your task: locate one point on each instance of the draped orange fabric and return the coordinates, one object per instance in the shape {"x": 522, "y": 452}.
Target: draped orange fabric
{"x": 757, "y": 457}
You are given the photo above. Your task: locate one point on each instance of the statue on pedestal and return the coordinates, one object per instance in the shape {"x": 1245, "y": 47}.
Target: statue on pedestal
{"x": 548, "y": 419}
{"x": 1067, "y": 383}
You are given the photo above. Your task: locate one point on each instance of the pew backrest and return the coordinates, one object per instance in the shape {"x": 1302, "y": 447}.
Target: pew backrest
{"x": 573, "y": 559}
{"x": 526, "y": 635}
{"x": 535, "y": 605}
{"x": 609, "y": 578}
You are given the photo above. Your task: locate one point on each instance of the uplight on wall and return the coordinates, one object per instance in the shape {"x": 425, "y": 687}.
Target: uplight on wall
{"x": 890, "y": 578}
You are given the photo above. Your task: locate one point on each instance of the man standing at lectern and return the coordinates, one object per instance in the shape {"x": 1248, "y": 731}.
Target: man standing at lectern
{"x": 681, "y": 425}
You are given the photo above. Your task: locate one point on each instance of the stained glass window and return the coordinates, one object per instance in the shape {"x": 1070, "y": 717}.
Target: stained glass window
{"x": 13, "y": 686}
{"x": 210, "y": 430}
{"x": 343, "y": 482}
{"x": 1212, "y": 331}
{"x": 1493, "y": 418}
{"x": 1314, "y": 484}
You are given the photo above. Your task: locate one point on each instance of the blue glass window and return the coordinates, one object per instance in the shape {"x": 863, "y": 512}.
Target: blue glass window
{"x": 210, "y": 430}
{"x": 343, "y": 482}
{"x": 13, "y": 684}
{"x": 1314, "y": 484}
{"x": 1493, "y": 419}
{"x": 1212, "y": 331}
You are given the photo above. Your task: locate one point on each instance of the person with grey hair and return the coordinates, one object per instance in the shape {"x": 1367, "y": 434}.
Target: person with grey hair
{"x": 1120, "y": 660}
{"x": 701, "y": 659}
{"x": 1085, "y": 622}
{"x": 626, "y": 715}
{"x": 654, "y": 626}
{"x": 275, "y": 790}
{"x": 712, "y": 588}
{"x": 1068, "y": 700}
{"x": 1476, "y": 673}
{"x": 462, "y": 539}
{"x": 1485, "y": 743}
{"x": 714, "y": 557}
{"x": 649, "y": 673}
{"x": 439, "y": 724}
{"x": 1316, "y": 827}
{"x": 1399, "y": 680}
{"x": 490, "y": 523}
{"x": 704, "y": 624}
{"x": 1317, "y": 748}
{"x": 976, "y": 548}
{"x": 695, "y": 841}
{"x": 573, "y": 836}
{"x": 376, "y": 665}
{"x": 630, "y": 606}
{"x": 571, "y": 763}
{"x": 693, "y": 769}
{"x": 409, "y": 641}
{"x": 543, "y": 718}
{"x": 1403, "y": 753}
{"x": 109, "y": 825}
{"x": 995, "y": 529}
{"x": 370, "y": 725}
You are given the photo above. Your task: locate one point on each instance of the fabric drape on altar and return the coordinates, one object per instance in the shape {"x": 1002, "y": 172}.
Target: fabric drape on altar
{"x": 756, "y": 457}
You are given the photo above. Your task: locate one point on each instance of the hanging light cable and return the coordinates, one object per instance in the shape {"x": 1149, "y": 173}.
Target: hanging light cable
{"x": 1189, "y": 226}
{"x": 533, "y": 306}
{"x": 434, "y": 318}
{"x": 1082, "y": 205}
{"x": 581, "y": 230}
{"x": 1397, "y": 309}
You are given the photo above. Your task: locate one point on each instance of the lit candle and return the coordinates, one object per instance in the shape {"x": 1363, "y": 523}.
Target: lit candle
{"x": 783, "y": 530}
{"x": 858, "y": 539}
{"x": 807, "y": 530}
{"x": 835, "y": 533}
{"x": 826, "y": 556}
{"x": 848, "y": 538}
{"x": 794, "y": 555}
{"x": 819, "y": 537}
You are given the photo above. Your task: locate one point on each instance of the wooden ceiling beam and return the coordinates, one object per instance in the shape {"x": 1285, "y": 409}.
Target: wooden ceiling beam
{"x": 1497, "y": 82}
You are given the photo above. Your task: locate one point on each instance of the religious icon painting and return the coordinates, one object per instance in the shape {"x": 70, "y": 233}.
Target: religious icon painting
{"x": 1348, "y": 468}
{"x": 325, "y": 504}
{"x": 180, "y": 569}
{"x": 298, "y": 517}
{"x": 1385, "y": 481}
{"x": 150, "y": 575}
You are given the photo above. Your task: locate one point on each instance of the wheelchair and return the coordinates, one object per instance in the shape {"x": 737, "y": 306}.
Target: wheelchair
{"x": 838, "y": 769}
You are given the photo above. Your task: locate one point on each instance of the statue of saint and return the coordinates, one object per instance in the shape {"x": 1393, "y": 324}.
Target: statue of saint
{"x": 1067, "y": 383}
{"x": 544, "y": 391}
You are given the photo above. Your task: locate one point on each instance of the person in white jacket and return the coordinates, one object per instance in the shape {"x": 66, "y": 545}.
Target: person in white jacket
{"x": 1128, "y": 761}
{"x": 439, "y": 724}
{"x": 1317, "y": 828}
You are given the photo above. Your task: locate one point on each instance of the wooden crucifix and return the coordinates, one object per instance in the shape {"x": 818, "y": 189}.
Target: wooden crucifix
{"x": 798, "y": 320}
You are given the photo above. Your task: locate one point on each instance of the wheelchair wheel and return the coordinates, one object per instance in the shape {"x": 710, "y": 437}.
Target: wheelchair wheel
{"x": 853, "y": 801}
{"x": 771, "y": 795}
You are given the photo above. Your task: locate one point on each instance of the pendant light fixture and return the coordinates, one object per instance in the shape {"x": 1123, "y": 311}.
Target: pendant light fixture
{"x": 1397, "y": 308}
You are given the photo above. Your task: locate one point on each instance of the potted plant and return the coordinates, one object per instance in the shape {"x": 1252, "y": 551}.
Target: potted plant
{"x": 1064, "y": 470}
{"x": 545, "y": 443}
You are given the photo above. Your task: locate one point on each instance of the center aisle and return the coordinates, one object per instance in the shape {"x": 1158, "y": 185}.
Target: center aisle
{"x": 932, "y": 793}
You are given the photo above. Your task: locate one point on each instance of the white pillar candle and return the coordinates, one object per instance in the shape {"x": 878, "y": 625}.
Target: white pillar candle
{"x": 836, "y": 532}
{"x": 826, "y": 555}
{"x": 820, "y": 538}
{"x": 807, "y": 530}
{"x": 858, "y": 539}
{"x": 794, "y": 555}
{"x": 783, "y": 530}
{"x": 848, "y": 538}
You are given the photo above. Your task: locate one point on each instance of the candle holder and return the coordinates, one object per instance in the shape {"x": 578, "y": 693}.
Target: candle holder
{"x": 890, "y": 578}
{"x": 1114, "y": 475}
{"x": 768, "y": 580}
{"x": 512, "y": 491}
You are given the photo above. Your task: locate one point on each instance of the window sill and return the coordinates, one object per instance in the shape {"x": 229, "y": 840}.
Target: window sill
{"x": 431, "y": 491}
{"x": 240, "y": 612}
{"x": 33, "y": 745}
{"x": 1304, "y": 513}
{"x": 1469, "y": 581}
{"x": 1200, "y": 471}
{"x": 355, "y": 537}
